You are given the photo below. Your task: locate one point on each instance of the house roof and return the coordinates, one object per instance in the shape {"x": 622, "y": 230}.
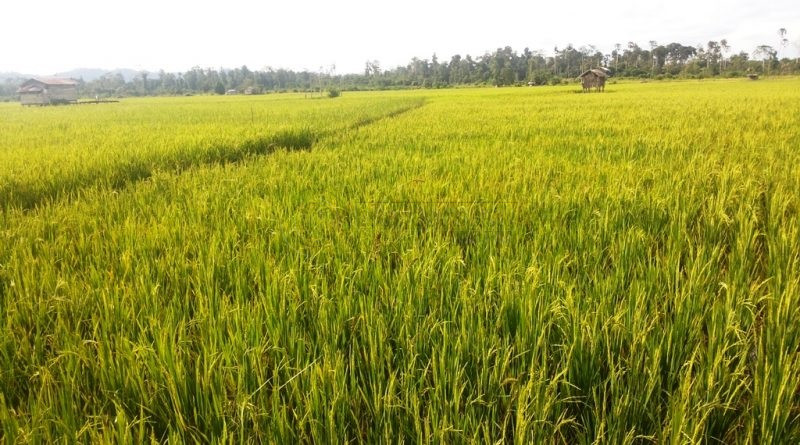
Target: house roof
{"x": 50, "y": 81}
{"x": 597, "y": 72}
{"x": 37, "y": 84}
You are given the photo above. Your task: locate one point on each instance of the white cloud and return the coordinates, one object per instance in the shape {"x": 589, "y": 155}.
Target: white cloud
{"x": 176, "y": 35}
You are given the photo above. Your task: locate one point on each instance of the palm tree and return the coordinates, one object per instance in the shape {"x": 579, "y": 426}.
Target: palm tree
{"x": 765, "y": 52}
{"x": 783, "y": 40}
{"x": 555, "y": 61}
{"x": 653, "y": 46}
{"x": 725, "y": 49}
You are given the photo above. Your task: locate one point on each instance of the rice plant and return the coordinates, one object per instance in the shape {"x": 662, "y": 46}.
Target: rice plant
{"x": 464, "y": 266}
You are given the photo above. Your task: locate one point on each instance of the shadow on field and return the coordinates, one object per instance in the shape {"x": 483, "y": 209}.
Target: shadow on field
{"x": 372, "y": 119}
{"x": 594, "y": 92}
{"x": 290, "y": 140}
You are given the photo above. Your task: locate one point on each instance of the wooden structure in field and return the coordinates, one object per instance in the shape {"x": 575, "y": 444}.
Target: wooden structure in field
{"x": 48, "y": 91}
{"x": 595, "y": 78}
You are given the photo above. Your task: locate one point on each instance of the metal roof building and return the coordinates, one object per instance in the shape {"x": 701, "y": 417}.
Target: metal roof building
{"x": 48, "y": 91}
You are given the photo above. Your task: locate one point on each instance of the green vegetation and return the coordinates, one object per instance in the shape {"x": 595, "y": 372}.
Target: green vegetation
{"x": 502, "y": 66}
{"x": 477, "y": 265}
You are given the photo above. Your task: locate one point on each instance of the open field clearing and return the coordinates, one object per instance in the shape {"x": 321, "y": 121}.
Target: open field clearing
{"x": 523, "y": 265}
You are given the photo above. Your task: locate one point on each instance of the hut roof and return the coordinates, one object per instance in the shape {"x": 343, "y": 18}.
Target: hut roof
{"x": 55, "y": 81}
{"x": 37, "y": 84}
{"x": 50, "y": 81}
{"x": 597, "y": 72}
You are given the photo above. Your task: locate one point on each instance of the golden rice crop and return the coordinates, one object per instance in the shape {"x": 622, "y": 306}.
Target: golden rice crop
{"x": 50, "y": 152}
{"x": 522, "y": 264}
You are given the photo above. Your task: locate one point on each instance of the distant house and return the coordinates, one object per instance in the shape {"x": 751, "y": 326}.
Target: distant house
{"x": 231, "y": 92}
{"x": 595, "y": 78}
{"x": 48, "y": 91}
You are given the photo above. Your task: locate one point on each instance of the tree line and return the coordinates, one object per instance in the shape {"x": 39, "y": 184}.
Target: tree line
{"x": 502, "y": 67}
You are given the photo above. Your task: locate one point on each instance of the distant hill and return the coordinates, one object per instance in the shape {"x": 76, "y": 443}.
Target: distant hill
{"x": 90, "y": 74}
{"x": 13, "y": 75}
{"x": 87, "y": 74}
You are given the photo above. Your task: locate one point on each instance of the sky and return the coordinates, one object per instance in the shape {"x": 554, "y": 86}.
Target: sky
{"x": 46, "y": 37}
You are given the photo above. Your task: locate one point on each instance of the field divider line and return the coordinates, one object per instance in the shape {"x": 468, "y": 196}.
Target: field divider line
{"x": 369, "y": 120}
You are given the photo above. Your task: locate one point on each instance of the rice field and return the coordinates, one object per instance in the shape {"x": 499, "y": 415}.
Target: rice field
{"x": 513, "y": 265}
{"x": 47, "y": 153}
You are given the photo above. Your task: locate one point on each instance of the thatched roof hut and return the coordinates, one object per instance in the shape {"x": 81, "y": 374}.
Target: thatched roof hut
{"x": 594, "y": 78}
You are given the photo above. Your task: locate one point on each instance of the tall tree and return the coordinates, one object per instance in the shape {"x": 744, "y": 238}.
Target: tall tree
{"x": 783, "y": 41}
{"x": 653, "y": 46}
{"x": 725, "y": 49}
{"x": 767, "y": 53}
{"x": 713, "y": 52}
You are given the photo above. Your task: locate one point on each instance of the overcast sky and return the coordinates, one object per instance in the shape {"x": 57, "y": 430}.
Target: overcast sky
{"x": 45, "y": 37}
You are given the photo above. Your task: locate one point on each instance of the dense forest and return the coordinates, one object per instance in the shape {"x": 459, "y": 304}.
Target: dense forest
{"x": 503, "y": 67}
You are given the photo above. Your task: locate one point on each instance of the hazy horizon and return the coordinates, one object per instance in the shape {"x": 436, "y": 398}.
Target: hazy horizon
{"x": 180, "y": 35}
